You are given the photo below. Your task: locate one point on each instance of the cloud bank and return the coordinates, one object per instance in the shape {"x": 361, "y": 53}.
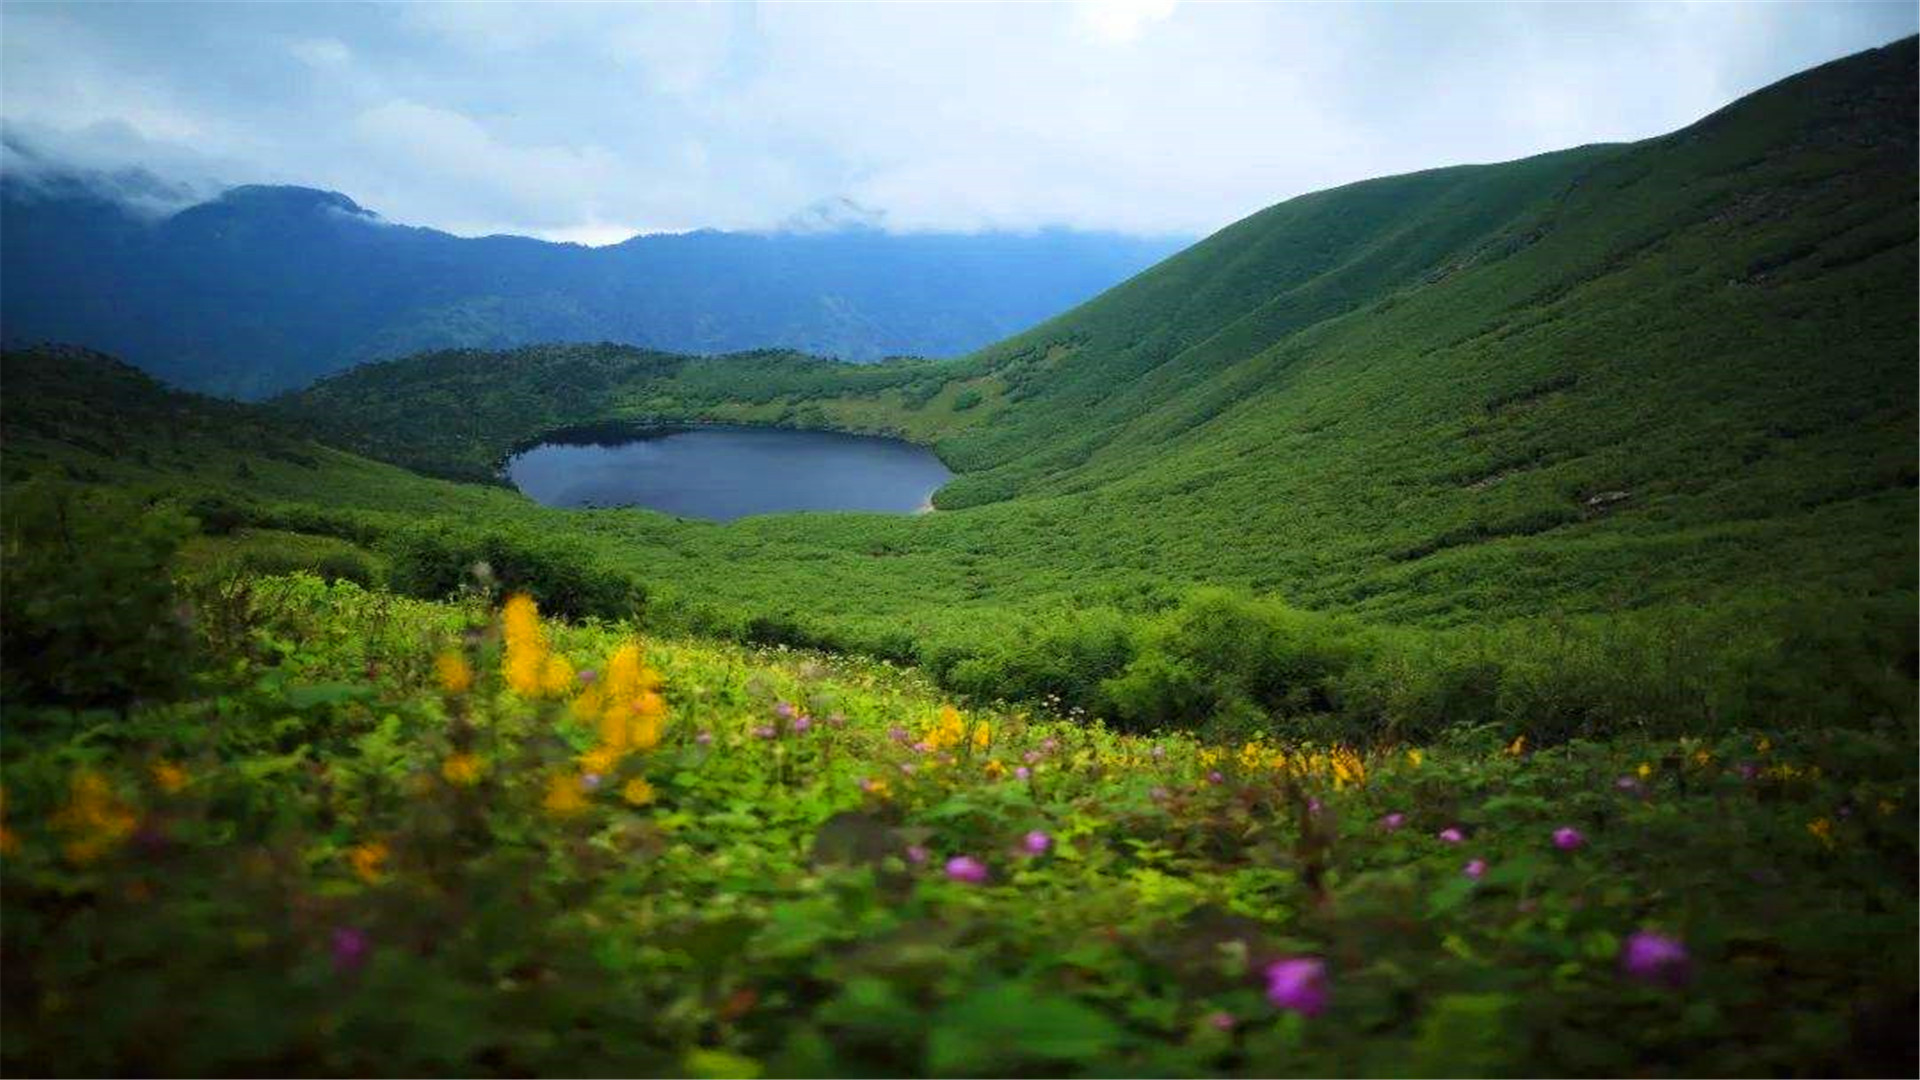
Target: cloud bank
{"x": 593, "y": 122}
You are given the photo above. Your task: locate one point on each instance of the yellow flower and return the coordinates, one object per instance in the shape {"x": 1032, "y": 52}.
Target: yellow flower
{"x": 1702, "y": 758}
{"x": 566, "y": 795}
{"x": 556, "y": 675}
{"x": 1643, "y": 770}
{"x": 95, "y": 817}
{"x": 1887, "y": 807}
{"x": 1765, "y": 745}
{"x": 589, "y": 705}
{"x": 462, "y": 769}
{"x": 1517, "y": 747}
{"x": 456, "y": 677}
{"x": 637, "y": 792}
{"x": 1822, "y": 829}
{"x": 600, "y": 759}
{"x": 369, "y": 860}
{"x": 994, "y": 769}
{"x": 1416, "y": 756}
{"x": 169, "y": 777}
{"x": 526, "y": 645}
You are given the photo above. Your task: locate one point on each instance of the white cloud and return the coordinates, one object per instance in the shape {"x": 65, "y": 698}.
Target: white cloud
{"x": 587, "y": 120}
{"x": 1121, "y": 21}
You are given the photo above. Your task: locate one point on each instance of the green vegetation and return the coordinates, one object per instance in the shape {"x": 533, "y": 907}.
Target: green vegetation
{"x": 353, "y": 846}
{"x": 1457, "y": 623}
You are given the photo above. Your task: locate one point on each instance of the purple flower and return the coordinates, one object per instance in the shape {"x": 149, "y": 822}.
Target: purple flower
{"x": 922, "y": 746}
{"x": 966, "y": 868}
{"x": 1655, "y": 958}
{"x": 1023, "y": 773}
{"x": 350, "y": 948}
{"x": 917, "y": 854}
{"x": 1475, "y": 868}
{"x": 1036, "y": 842}
{"x": 1393, "y": 821}
{"x": 1630, "y": 783}
{"x": 897, "y": 733}
{"x": 1452, "y": 835}
{"x": 1216, "y": 777}
{"x": 587, "y": 675}
{"x": 1298, "y": 984}
{"x": 783, "y": 710}
{"x": 1033, "y": 756}
{"x": 1747, "y": 770}
{"x": 1313, "y": 806}
{"x": 1568, "y": 838}
{"x": 1222, "y": 1021}
{"x": 705, "y": 738}
{"x": 801, "y": 724}
{"x": 764, "y": 731}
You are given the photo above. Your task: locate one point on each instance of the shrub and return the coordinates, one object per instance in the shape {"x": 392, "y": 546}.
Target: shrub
{"x": 86, "y": 602}
{"x": 563, "y": 578}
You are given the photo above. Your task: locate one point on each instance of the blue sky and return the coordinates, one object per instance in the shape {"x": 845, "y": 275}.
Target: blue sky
{"x": 594, "y": 122}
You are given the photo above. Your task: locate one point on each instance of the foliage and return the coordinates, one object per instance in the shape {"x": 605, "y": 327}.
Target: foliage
{"x": 86, "y": 605}
{"x": 359, "y": 848}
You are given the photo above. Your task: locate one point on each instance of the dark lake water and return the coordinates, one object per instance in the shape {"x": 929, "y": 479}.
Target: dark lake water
{"x": 723, "y": 473}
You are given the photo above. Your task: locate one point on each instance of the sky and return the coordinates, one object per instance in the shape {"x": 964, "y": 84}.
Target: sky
{"x": 591, "y": 123}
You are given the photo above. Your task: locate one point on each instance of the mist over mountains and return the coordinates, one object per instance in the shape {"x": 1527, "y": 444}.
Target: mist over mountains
{"x": 265, "y": 288}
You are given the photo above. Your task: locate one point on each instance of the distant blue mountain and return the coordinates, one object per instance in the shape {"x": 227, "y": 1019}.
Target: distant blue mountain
{"x": 267, "y": 288}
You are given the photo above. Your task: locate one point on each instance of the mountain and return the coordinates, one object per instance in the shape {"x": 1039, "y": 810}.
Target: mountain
{"x": 1614, "y": 376}
{"x": 266, "y": 288}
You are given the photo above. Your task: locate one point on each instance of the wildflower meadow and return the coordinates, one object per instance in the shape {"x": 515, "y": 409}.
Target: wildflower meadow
{"x": 390, "y": 836}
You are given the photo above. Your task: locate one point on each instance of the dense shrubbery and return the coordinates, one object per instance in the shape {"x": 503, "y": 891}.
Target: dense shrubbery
{"x": 87, "y": 607}
{"x": 437, "y": 562}
{"x": 1233, "y": 666}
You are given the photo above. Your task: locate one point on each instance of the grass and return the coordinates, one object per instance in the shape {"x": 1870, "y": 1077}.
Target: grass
{"x": 353, "y": 847}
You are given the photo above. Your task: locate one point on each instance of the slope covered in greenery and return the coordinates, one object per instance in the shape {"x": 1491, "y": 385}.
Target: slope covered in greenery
{"x": 266, "y": 288}
{"x": 1620, "y": 376}
{"x": 368, "y": 835}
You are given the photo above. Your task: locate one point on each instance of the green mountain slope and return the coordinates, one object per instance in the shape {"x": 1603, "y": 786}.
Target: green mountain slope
{"x": 1621, "y": 375}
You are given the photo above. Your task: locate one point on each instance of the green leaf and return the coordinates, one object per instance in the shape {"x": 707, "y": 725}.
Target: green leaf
{"x": 996, "y": 1028}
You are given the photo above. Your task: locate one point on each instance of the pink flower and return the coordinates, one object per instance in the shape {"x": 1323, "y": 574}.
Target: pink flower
{"x": 1567, "y": 838}
{"x": 1475, "y": 868}
{"x": 801, "y": 724}
{"x": 1452, "y": 835}
{"x": 1033, "y": 756}
{"x": 765, "y": 731}
{"x": 1216, "y": 777}
{"x": 1655, "y": 958}
{"x": 1049, "y": 744}
{"x": 897, "y": 733}
{"x": 1023, "y": 773}
{"x": 1630, "y": 783}
{"x": 906, "y": 768}
{"x": 1393, "y": 821}
{"x": 1298, "y": 984}
{"x": 917, "y": 854}
{"x": 350, "y": 948}
{"x": 783, "y": 710}
{"x": 1313, "y": 806}
{"x": 587, "y": 675}
{"x": 967, "y": 869}
{"x": 1036, "y": 843}
{"x": 1223, "y": 1021}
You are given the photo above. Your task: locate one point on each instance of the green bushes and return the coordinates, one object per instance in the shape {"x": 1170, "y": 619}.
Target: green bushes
{"x": 566, "y": 579}
{"x": 1234, "y": 666}
{"x": 87, "y": 607}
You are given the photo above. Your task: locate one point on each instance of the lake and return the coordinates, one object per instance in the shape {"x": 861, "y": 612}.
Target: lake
{"x": 721, "y": 473}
